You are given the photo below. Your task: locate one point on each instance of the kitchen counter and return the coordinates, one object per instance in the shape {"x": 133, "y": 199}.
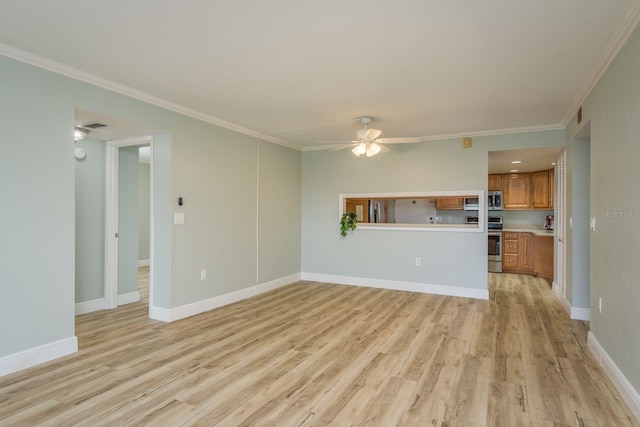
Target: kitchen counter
{"x": 523, "y": 228}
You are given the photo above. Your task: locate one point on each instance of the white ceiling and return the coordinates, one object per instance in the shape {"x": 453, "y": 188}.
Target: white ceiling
{"x": 421, "y": 68}
{"x": 531, "y": 159}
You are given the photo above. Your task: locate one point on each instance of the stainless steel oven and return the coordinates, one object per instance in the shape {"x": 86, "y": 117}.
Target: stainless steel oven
{"x": 494, "y": 239}
{"x": 495, "y": 251}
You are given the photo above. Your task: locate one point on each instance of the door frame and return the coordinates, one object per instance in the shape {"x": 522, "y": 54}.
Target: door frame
{"x": 111, "y": 218}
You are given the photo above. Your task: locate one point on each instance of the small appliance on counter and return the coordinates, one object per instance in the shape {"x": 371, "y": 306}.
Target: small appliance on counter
{"x": 548, "y": 223}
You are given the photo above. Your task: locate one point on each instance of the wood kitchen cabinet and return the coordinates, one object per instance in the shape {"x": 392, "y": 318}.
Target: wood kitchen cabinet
{"x": 517, "y": 256}
{"x": 516, "y": 191}
{"x": 509, "y": 251}
{"x": 541, "y": 190}
{"x": 495, "y": 182}
{"x": 450, "y": 203}
{"x": 543, "y": 256}
{"x": 525, "y": 252}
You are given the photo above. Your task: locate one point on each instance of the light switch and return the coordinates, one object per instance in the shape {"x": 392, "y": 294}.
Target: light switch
{"x": 178, "y": 218}
{"x": 593, "y": 223}
{"x": 571, "y": 222}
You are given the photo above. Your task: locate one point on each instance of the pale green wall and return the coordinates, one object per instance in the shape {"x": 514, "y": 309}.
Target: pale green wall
{"x": 128, "y": 207}
{"x": 162, "y": 220}
{"x": 577, "y": 236}
{"x": 90, "y": 217}
{"x": 215, "y": 169}
{"x": 37, "y": 221}
{"x": 280, "y": 222}
{"x": 448, "y": 258}
{"x": 613, "y": 110}
{"x": 144, "y": 213}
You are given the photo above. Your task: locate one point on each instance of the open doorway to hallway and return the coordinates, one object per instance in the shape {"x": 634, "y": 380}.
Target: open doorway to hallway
{"x": 100, "y": 279}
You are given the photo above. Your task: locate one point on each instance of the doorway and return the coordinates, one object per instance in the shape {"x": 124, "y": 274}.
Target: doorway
{"x": 121, "y": 230}
{"x": 579, "y": 222}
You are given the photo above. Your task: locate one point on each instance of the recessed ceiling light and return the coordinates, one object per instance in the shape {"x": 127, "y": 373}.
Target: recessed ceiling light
{"x": 514, "y": 170}
{"x": 516, "y": 162}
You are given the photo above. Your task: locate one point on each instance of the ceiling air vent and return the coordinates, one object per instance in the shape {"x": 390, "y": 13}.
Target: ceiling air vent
{"x": 93, "y": 125}
{"x": 580, "y": 115}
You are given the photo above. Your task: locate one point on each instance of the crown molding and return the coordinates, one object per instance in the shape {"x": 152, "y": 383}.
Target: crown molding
{"x": 442, "y": 137}
{"x": 621, "y": 35}
{"x": 65, "y": 70}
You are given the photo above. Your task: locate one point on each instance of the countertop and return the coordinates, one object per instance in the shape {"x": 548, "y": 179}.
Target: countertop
{"x": 524, "y": 228}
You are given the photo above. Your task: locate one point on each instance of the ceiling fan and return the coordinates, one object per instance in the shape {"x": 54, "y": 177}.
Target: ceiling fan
{"x": 368, "y": 143}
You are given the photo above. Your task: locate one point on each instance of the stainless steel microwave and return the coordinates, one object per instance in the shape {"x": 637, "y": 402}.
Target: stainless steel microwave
{"x": 471, "y": 204}
{"x": 494, "y": 201}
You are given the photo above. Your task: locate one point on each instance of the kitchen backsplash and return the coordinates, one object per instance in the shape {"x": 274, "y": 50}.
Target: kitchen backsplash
{"x": 534, "y": 218}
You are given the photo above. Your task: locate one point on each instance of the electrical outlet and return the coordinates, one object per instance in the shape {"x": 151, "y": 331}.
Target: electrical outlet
{"x": 600, "y": 305}
{"x": 418, "y": 262}
{"x": 203, "y": 274}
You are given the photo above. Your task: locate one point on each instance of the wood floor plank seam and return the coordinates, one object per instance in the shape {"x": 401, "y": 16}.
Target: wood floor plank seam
{"x": 321, "y": 354}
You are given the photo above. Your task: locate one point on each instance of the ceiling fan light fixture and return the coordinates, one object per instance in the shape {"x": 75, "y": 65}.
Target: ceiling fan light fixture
{"x": 80, "y": 133}
{"x": 373, "y": 149}
{"x": 359, "y": 149}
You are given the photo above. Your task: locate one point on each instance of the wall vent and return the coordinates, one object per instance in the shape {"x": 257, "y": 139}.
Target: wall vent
{"x": 93, "y": 125}
{"x": 580, "y": 115}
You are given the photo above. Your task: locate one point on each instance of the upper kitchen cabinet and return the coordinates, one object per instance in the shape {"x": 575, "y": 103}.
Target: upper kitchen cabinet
{"x": 516, "y": 191}
{"x": 541, "y": 191}
{"x": 524, "y": 191}
{"x": 495, "y": 182}
{"x": 450, "y": 203}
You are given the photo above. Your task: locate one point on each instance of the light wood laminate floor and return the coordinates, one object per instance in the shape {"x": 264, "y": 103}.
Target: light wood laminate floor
{"x": 312, "y": 354}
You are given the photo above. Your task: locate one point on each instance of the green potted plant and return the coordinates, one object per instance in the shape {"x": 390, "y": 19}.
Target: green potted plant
{"x": 347, "y": 222}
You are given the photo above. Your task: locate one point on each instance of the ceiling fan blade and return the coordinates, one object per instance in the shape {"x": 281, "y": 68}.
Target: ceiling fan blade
{"x": 384, "y": 149}
{"x": 372, "y": 134}
{"x": 408, "y": 140}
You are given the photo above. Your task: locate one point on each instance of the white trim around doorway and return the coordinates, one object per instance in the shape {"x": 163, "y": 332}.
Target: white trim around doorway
{"x": 111, "y": 299}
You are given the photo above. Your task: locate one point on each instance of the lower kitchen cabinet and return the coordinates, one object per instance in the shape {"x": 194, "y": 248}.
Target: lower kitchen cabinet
{"x": 517, "y": 254}
{"x": 526, "y": 253}
{"x": 543, "y": 256}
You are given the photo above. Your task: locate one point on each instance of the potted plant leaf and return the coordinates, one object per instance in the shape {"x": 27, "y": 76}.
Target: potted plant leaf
{"x": 347, "y": 222}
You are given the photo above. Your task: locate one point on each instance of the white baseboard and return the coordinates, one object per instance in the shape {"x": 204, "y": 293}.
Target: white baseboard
{"x": 624, "y": 387}
{"x": 128, "y": 298}
{"x": 37, "y": 355}
{"x": 99, "y": 304}
{"x": 89, "y": 306}
{"x": 177, "y": 313}
{"x": 575, "y": 313}
{"x": 454, "y": 291}
{"x": 143, "y": 263}
{"x": 565, "y": 303}
{"x": 578, "y": 313}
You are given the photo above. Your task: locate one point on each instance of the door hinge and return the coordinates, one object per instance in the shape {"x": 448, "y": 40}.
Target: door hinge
{"x": 116, "y": 235}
